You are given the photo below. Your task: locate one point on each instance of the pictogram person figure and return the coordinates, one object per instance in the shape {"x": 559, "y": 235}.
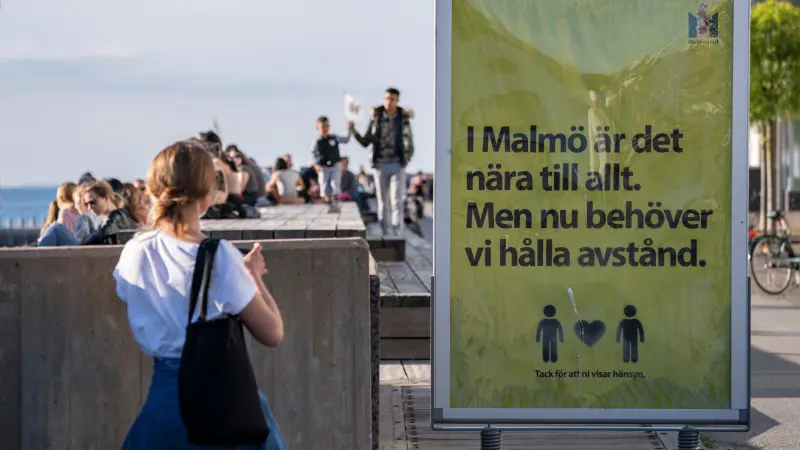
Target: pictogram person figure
{"x": 549, "y": 333}
{"x": 632, "y": 333}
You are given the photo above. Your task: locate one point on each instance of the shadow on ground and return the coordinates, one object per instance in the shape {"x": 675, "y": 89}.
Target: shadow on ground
{"x": 759, "y": 424}
{"x": 772, "y": 377}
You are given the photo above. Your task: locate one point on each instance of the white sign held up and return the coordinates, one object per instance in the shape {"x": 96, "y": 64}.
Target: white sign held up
{"x": 352, "y": 108}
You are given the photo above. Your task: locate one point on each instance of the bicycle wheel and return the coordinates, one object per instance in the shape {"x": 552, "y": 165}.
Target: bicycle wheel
{"x": 770, "y": 264}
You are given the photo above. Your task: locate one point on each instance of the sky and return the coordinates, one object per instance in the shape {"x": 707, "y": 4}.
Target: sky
{"x": 102, "y": 86}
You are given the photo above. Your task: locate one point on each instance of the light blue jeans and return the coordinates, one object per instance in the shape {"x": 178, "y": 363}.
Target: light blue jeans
{"x": 57, "y": 235}
{"x": 390, "y": 188}
{"x": 330, "y": 180}
{"x": 159, "y": 425}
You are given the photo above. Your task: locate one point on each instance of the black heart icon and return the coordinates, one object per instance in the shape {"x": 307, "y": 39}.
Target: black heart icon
{"x": 590, "y": 332}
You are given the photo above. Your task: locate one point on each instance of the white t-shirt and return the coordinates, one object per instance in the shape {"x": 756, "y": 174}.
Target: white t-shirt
{"x": 154, "y": 277}
{"x": 287, "y": 183}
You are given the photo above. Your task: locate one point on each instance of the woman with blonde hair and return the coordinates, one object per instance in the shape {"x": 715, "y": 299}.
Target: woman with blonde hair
{"x": 67, "y": 212}
{"x": 52, "y": 217}
{"x": 103, "y": 202}
{"x": 88, "y": 221}
{"x": 154, "y": 278}
{"x": 62, "y": 210}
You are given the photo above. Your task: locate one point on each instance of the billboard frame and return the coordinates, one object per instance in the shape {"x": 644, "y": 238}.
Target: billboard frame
{"x": 735, "y": 418}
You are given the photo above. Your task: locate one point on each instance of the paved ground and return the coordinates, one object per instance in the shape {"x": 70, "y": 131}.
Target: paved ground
{"x": 775, "y": 376}
{"x": 405, "y": 422}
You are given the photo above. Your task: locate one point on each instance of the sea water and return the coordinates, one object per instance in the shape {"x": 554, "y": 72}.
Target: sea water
{"x": 26, "y": 203}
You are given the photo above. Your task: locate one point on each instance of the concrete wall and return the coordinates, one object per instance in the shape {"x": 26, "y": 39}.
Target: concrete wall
{"x": 73, "y": 378}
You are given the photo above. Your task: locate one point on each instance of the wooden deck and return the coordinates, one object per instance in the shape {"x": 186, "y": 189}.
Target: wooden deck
{"x": 291, "y": 222}
{"x": 385, "y": 247}
{"x": 405, "y": 422}
{"x": 406, "y": 302}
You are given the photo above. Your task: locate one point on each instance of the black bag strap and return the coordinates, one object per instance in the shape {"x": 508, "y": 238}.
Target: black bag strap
{"x": 201, "y": 278}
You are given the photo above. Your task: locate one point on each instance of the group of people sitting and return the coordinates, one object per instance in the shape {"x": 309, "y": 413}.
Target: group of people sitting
{"x": 242, "y": 186}
{"x": 92, "y": 212}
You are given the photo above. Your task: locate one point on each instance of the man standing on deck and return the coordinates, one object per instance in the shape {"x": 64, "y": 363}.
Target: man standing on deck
{"x": 389, "y": 133}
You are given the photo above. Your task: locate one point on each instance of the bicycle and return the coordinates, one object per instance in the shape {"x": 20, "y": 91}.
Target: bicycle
{"x": 772, "y": 258}
{"x": 779, "y": 226}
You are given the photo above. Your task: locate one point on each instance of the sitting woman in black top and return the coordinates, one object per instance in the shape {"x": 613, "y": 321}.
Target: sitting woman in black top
{"x": 99, "y": 196}
{"x": 120, "y": 219}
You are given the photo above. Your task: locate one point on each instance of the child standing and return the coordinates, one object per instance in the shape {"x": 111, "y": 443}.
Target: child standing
{"x": 327, "y": 158}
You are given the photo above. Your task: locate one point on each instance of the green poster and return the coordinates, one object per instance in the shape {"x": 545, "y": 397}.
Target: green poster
{"x": 590, "y": 199}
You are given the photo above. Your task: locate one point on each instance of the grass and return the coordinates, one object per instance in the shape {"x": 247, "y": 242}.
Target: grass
{"x": 707, "y": 441}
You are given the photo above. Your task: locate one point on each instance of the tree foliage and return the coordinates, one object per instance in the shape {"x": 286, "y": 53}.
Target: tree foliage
{"x": 774, "y": 61}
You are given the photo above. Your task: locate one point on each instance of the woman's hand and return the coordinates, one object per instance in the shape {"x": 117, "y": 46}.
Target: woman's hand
{"x": 254, "y": 261}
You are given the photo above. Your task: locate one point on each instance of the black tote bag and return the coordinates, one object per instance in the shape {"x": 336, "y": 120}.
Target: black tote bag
{"x": 217, "y": 391}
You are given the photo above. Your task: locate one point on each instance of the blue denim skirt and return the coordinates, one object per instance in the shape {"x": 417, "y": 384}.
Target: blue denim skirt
{"x": 159, "y": 425}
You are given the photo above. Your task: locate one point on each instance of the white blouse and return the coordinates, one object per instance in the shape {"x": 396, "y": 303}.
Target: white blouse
{"x": 154, "y": 278}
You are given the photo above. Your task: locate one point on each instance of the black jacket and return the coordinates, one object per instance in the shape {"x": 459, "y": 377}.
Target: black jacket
{"x": 118, "y": 220}
{"x": 405, "y": 144}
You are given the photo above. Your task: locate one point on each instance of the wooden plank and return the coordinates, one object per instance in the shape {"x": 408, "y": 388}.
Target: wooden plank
{"x": 392, "y": 420}
{"x": 257, "y": 235}
{"x": 374, "y": 231}
{"x": 230, "y": 235}
{"x": 392, "y": 370}
{"x": 273, "y": 213}
{"x": 243, "y": 224}
{"x": 349, "y": 209}
{"x": 416, "y": 241}
{"x": 369, "y": 217}
{"x": 292, "y": 222}
{"x": 417, "y": 348}
{"x": 387, "y": 286}
{"x": 384, "y": 254}
{"x": 321, "y": 228}
{"x": 398, "y": 244}
{"x": 395, "y": 300}
{"x": 420, "y": 265}
{"x": 404, "y": 279}
{"x": 291, "y": 229}
{"x": 350, "y": 228}
{"x": 314, "y": 212}
{"x": 406, "y": 322}
{"x": 417, "y": 371}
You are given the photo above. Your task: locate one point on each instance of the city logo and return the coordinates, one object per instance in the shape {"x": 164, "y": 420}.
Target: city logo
{"x": 704, "y": 27}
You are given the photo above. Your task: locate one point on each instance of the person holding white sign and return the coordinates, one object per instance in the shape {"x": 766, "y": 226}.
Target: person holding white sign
{"x": 389, "y": 134}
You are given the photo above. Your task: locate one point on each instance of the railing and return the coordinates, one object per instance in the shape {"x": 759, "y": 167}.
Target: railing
{"x": 20, "y": 222}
